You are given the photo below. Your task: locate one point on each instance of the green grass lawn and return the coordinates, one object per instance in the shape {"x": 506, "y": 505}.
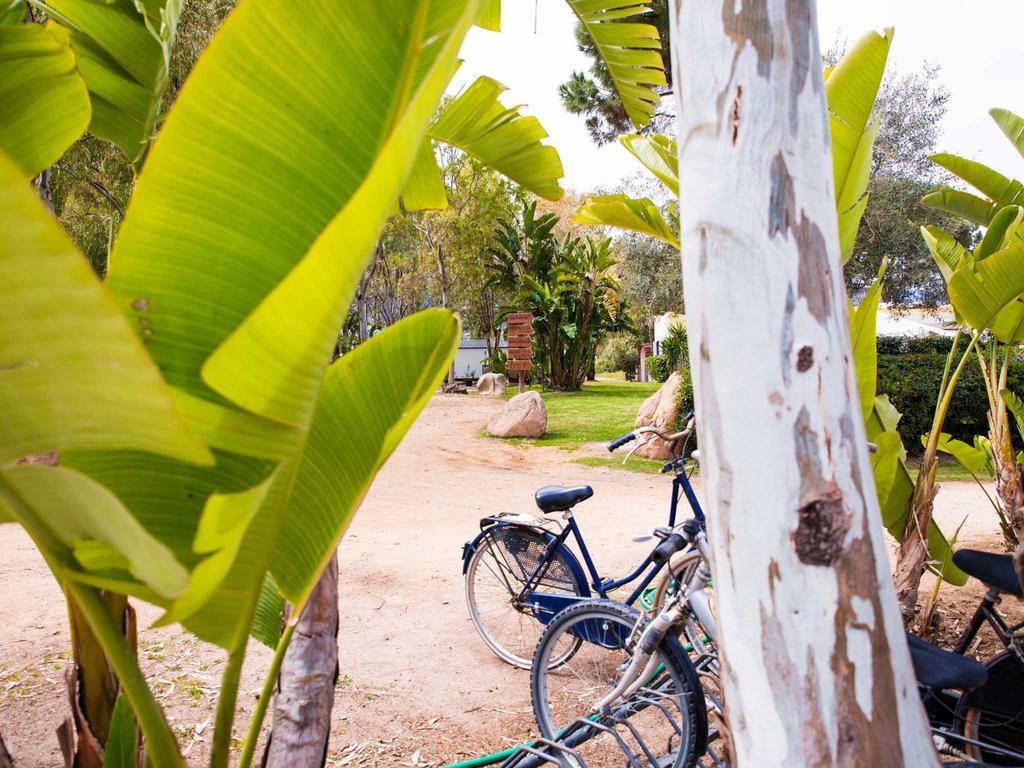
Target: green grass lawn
{"x": 644, "y": 466}
{"x": 599, "y": 412}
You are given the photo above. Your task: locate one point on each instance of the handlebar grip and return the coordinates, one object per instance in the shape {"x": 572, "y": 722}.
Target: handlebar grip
{"x": 620, "y": 441}
{"x": 676, "y": 542}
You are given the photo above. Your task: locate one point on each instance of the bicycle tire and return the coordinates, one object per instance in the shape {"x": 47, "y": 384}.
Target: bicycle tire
{"x": 509, "y": 558}
{"x": 994, "y": 713}
{"x": 680, "y": 687}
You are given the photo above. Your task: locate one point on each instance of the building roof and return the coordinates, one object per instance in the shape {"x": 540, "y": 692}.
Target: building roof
{"x": 477, "y": 344}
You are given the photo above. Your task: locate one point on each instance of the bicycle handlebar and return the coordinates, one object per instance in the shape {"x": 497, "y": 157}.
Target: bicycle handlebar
{"x": 620, "y": 441}
{"x": 668, "y": 437}
{"x": 676, "y": 542}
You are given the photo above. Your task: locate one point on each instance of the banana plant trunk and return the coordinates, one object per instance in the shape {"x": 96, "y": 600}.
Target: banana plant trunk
{"x": 6, "y": 761}
{"x": 816, "y": 670}
{"x": 92, "y": 685}
{"x": 304, "y": 695}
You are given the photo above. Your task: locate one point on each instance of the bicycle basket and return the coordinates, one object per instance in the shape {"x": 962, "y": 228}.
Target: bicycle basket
{"x": 523, "y": 550}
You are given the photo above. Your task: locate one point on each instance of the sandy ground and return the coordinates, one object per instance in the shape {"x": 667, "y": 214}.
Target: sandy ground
{"x": 417, "y": 687}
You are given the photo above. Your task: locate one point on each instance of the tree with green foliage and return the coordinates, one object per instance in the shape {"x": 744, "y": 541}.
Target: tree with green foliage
{"x": 568, "y": 285}
{"x": 910, "y": 113}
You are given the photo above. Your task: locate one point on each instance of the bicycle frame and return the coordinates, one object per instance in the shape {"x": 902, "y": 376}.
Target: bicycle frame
{"x": 986, "y": 613}
{"x": 601, "y": 585}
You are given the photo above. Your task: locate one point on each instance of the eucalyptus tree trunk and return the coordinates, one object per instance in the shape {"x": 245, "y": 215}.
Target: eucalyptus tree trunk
{"x": 816, "y": 670}
{"x": 304, "y": 695}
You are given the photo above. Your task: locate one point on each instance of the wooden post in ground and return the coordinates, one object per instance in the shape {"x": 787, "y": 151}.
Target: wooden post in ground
{"x": 520, "y": 345}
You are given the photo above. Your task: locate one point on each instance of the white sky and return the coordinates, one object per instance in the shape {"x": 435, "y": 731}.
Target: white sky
{"x": 977, "y": 44}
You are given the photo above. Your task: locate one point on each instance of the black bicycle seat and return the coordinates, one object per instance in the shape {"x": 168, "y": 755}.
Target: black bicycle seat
{"x": 555, "y": 498}
{"x": 938, "y": 668}
{"x": 992, "y": 569}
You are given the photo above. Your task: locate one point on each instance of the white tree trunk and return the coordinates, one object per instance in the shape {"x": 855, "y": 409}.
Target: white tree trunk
{"x": 816, "y": 668}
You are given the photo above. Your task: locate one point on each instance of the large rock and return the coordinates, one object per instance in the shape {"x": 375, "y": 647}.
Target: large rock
{"x": 659, "y": 410}
{"x": 523, "y": 416}
{"x": 491, "y": 384}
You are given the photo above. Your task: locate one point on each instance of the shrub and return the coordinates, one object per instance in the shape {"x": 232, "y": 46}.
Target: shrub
{"x": 912, "y": 383}
{"x": 684, "y": 398}
{"x": 914, "y": 345}
{"x": 658, "y": 367}
{"x": 619, "y": 353}
{"x": 674, "y": 347}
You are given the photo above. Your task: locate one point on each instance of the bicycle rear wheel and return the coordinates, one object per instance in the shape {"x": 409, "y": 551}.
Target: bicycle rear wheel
{"x": 496, "y": 575}
{"x": 994, "y": 713}
{"x": 663, "y": 724}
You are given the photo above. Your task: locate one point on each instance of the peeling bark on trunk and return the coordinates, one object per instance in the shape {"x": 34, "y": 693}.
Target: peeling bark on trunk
{"x": 816, "y": 670}
{"x": 305, "y": 686}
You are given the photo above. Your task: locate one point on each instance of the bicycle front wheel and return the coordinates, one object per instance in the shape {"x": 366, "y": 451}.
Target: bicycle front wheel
{"x": 495, "y": 577}
{"x": 663, "y": 724}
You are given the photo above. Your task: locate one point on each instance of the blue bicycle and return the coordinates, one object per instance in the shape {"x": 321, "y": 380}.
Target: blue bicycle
{"x": 520, "y": 572}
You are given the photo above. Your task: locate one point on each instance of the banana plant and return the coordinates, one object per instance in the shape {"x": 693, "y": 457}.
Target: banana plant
{"x": 124, "y": 53}
{"x": 894, "y": 483}
{"x": 851, "y": 88}
{"x": 985, "y": 289}
{"x": 210, "y": 458}
{"x": 999, "y": 209}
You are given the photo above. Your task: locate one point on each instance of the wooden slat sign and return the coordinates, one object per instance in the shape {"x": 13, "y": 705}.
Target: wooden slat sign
{"x": 520, "y": 343}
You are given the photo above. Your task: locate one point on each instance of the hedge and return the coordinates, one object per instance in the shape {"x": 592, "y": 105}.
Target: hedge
{"x": 912, "y": 383}
{"x": 915, "y": 345}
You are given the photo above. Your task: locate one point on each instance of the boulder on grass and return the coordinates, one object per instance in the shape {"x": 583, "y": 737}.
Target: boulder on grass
{"x": 659, "y": 410}
{"x": 523, "y": 416}
{"x": 491, "y": 384}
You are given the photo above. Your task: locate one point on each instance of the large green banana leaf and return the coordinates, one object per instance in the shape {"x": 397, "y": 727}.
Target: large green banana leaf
{"x": 510, "y": 143}
{"x": 260, "y": 204}
{"x": 991, "y": 295}
{"x": 895, "y": 485}
{"x": 12, "y": 12}
{"x": 630, "y": 51}
{"x": 44, "y": 104}
{"x": 963, "y": 204}
{"x": 998, "y": 188}
{"x": 61, "y": 388}
{"x": 1003, "y": 231}
{"x": 863, "y": 341}
{"x": 946, "y": 251}
{"x": 851, "y": 88}
{"x": 123, "y": 50}
{"x": 1012, "y": 125}
{"x": 625, "y": 212}
{"x": 659, "y": 155}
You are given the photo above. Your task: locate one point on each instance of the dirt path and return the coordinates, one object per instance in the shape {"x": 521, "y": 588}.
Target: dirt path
{"x": 418, "y": 686}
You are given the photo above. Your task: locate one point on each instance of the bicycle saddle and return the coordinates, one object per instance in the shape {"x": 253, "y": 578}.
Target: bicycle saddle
{"x": 555, "y": 498}
{"x": 994, "y": 570}
{"x": 938, "y": 668}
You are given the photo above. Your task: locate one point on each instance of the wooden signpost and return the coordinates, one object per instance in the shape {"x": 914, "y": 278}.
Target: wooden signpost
{"x": 520, "y": 345}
